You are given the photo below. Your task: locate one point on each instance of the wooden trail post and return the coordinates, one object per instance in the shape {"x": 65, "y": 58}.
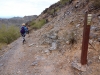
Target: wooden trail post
{"x": 85, "y": 41}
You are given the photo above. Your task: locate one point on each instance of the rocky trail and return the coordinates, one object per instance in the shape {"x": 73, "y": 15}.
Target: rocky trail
{"x": 31, "y": 59}
{"x": 48, "y": 50}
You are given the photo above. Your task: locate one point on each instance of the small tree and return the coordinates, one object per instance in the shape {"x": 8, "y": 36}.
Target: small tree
{"x": 38, "y": 24}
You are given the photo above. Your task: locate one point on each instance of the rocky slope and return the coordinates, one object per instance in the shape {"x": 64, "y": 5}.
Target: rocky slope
{"x": 49, "y": 50}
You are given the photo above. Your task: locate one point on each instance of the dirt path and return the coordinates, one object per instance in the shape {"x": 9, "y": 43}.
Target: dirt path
{"x": 10, "y": 59}
{"x": 36, "y": 60}
{"x": 24, "y": 60}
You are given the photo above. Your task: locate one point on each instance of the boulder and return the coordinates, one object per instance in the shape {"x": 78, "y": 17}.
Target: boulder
{"x": 54, "y": 46}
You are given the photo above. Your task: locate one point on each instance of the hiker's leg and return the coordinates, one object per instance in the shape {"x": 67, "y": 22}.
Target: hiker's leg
{"x": 23, "y": 36}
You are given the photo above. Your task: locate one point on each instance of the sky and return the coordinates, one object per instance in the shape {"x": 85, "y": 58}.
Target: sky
{"x": 21, "y": 8}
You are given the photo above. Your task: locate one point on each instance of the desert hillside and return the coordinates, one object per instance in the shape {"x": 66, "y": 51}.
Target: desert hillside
{"x": 55, "y": 48}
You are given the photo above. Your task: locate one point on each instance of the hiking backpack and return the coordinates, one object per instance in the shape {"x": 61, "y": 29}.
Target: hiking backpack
{"x": 22, "y": 31}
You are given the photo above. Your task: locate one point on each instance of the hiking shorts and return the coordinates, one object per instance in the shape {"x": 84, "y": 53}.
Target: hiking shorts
{"x": 23, "y": 35}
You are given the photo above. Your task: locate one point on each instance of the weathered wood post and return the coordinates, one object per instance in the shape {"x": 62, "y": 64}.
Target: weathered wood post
{"x": 86, "y": 32}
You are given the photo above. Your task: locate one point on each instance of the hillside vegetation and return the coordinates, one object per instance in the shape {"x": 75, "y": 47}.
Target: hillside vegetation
{"x": 49, "y": 13}
{"x": 8, "y": 34}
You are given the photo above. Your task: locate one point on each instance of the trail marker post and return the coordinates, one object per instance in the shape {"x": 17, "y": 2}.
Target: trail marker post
{"x": 86, "y": 32}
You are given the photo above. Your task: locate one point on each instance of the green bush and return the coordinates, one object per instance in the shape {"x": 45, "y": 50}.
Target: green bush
{"x": 8, "y": 34}
{"x": 32, "y": 23}
{"x": 51, "y": 12}
{"x": 72, "y": 38}
{"x": 38, "y": 24}
{"x": 64, "y": 1}
{"x": 57, "y": 8}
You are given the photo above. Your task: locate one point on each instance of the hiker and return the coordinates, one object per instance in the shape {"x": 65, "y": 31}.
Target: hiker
{"x": 23, "y": 31}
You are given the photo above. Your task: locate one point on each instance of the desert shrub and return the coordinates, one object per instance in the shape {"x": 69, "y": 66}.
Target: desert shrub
{"x": 63, "y": 2}
{"x": 33, "y": 22}
{"x": 57, "y": 8}
{"x": 8, "y": 34}
{"x": 72, "y": 38}
{"x": 51, "y": 12}
{"x": 38, "y": 24}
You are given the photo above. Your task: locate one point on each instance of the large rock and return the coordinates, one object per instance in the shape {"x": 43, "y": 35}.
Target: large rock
{"x": 50, "y": 37}
{"x": 54, "y": 46}
{"x": 79, "y": 66}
